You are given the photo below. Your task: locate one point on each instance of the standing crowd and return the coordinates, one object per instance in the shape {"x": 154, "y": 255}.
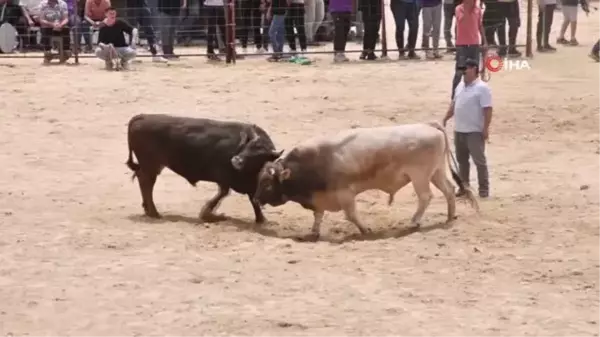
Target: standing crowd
{"x": 275, "y": 22}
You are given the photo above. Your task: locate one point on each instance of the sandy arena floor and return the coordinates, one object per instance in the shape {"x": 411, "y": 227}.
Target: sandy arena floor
{"x": 77, "y": 257}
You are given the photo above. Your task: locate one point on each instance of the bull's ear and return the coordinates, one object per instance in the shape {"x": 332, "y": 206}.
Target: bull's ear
{"x": 285, "y": 174}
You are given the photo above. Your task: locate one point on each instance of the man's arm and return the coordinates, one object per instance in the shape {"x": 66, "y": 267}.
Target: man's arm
{"x": 487, "y": 115}
{"x": 26, "y": 15}
{"x": 449, "y": 113}
{"x": 88, "y": 13}
{"x": 64, "y": 11}
{"x": 485, "y": 101}
{"x": 481, "y": 30}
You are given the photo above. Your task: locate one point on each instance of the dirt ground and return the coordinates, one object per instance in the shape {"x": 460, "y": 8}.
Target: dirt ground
{"x": 77, "y": 257}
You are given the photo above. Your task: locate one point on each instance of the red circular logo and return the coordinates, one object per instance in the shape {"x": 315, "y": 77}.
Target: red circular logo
{"x": 494, "y": 63}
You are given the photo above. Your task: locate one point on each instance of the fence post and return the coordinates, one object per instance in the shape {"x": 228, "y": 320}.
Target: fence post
{"x": 75, "y": 30}
{"x": 528, "y": 42}
{"x": 383, "y": 32}
{"x": 230, "y": 31}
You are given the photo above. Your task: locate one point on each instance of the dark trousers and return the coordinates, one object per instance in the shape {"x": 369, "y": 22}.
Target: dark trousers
{"x": 47, "y": 33}
{"x": 596, "y": 48}
{"x": 295, "y": 18}
{"x": 463, "y": 52}
{"x": 472, "y": 145}
{"x": 250, "y": 18}
{"x": 266, "y": 24}
{"x": 449, "y": 10}
{"x": 141, "y": 13}
{"x": 509, "y": 11}
{"x": 492, "y": 20}
{"x": 341, "y": 26}
{"x": 408, "y": 12}
{"x": 371, "y": 15}
{"x": 544, "y": 24}
{"x": 215, "y": 16}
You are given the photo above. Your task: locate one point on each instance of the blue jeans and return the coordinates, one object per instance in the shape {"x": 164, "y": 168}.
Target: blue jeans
{"x": 277, "y": 32}
{"x": 83, "y": 28}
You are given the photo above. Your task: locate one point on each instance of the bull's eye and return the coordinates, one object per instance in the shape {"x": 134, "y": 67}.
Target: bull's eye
{"x": 269, "y": 188}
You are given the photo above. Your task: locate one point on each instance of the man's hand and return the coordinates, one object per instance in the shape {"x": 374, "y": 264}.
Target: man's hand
{"x": 30, "y": 22}
{"x": 486, "y": 134}
{"x": 56, "y": 25}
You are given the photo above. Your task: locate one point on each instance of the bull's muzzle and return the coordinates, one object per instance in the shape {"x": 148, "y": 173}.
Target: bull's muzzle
{"x": 237, "y": 162}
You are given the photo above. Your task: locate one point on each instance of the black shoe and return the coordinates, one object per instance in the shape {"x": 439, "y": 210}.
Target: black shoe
{"x": 514, "y": 53}
{"x": 363, "y": 55}
{"x": 371, "y": 56}
{"x": 413, "y": 56}
{"x": 549, "y": 48}
{"x": 484, "y": 194}
{"x": 461, "y": 193}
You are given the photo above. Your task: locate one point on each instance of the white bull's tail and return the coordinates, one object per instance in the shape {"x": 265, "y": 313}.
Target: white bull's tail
{"x": 461, "y": 184}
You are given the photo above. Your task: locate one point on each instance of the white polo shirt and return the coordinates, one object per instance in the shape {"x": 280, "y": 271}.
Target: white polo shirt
{"x": 469, "y": 103}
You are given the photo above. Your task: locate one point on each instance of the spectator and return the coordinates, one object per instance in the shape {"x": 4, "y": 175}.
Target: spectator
{"x": 406, "y": 10}
{"x": 251, "y": 13}
{"x": 595, "y": 51}
{"x": 569, "y": 9}
{"x": 472, "y": 109}
{"x": 492, "y": 20}
{"x": 295, "y": 19}
{"x": 449, "y": 8}
{"x": 54, "y": 19}
{"x": 111, "y": 42}
{"x": 341, "y": 13}
{"x": 95, "y": 13}
{"x": 16, "y": 14}
{"x": 432, "y": 20}
{"x": 544, "y": 25}
{"x": 143, "y": 16}
{"x": 371, "y": 14}
{"x": 314, "y": 15}
{"x": 509, "y": 11}
{"x": 265, "y": 23}
{"x": 169, "y": 12}
{"x": 276, "y": 14}
{"x": 469, "y": 32}
{"x": 215, "y": 13}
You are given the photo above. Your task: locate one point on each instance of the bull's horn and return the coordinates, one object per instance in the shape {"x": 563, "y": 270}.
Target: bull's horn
{"x": 253, "y": 133}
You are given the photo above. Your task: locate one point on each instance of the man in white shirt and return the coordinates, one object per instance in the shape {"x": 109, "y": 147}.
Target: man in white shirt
{"x": 472, "y": 108}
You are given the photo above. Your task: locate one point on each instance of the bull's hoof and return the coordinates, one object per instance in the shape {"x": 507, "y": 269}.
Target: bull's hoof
{"x": 366, "y": 231}
{"x": 153, "y": 215}
{"x": 312, "y": 237}
{"x": 211, "y": 217}
{"x": 260, "y": 221}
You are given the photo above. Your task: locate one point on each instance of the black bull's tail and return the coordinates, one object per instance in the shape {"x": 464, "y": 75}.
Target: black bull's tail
{"x": 461, "y": 184}
{"x": 130, "y": 163}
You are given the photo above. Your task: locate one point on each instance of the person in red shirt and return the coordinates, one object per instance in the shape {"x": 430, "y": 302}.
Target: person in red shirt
{"x": 469, "y": 34}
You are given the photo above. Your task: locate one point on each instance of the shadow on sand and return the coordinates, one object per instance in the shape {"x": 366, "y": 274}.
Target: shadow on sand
{"x": 250, "y": 226}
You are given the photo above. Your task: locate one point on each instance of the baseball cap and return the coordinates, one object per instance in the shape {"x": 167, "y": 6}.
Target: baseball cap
{"x": 469, "y": 63}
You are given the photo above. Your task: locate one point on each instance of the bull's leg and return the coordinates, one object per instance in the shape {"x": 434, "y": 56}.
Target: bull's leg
{"x": 421, "y": 185}
{"x": 350, "y": 213}
{"x": 147, "y": 181}
{"x": 316, "y": 227}
{"x": 442, "y": 183}
{"x": 258, "y": 215}
{"x": 207, "y": 214}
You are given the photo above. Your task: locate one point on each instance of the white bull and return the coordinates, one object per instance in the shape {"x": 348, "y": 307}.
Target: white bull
{"x": 326, "y": 173}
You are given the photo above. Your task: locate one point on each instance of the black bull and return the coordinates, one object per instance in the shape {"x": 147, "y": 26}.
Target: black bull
{"x": 230, "y": 154}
